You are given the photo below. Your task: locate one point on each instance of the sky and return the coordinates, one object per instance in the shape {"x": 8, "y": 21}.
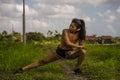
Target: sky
{"x": 102, "y": 17}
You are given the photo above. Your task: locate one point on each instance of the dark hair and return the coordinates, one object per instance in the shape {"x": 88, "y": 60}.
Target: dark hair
{"x": 80, "y": 24}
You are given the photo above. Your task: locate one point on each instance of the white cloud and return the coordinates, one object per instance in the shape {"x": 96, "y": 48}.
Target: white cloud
{"x": 81, "y": 2}
{"x": 97, "y": 2}
{"x": 56, "y": 10}
{"x": 7, "y": 9}
{"x": 38, "y": 23}
{"x": 111, "y": 19}
{"x": 7, "y": 1}
{"x": 44, "y": 9}
{"x": 108, "y": 16}
{"x": 7, "y": 6}
{"x": 41, "y": 5}
{"x": 29, "y": 11}
{"x": 94, "y": 3}
{"x": 43, "y": 15}
{"x": 66, "y": 9}
{"x": 15, "y": 10}
{"x": 63, "y": 11}
{"x": 70, "y": 1}
{"x": 118, "y": 9}
{"x": 89, "y": 19}
{"x": 19, "y": 8}
{"x": 111, "y": 29}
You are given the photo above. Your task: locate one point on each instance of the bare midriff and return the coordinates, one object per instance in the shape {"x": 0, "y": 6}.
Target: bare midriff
{"x": 64, "y": 46}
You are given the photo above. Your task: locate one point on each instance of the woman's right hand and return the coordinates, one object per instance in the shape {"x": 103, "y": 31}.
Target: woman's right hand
{"x": 70, "y": 53}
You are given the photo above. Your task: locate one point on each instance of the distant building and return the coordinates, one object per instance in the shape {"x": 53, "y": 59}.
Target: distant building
{"x": 101, "y": 40}
{"x": 91, "y": 39}
{"x": 106, "y": 39}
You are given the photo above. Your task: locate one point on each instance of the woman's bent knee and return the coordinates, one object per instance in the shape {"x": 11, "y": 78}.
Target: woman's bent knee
{"x": 83, "y": 52}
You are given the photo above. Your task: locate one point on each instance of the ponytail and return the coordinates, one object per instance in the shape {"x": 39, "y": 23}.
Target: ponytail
{"x": 80, "y": 24}
{"x": 82, "y": 31}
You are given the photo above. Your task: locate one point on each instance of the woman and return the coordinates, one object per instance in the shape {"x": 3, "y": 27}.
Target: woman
{"x": 75, "y": 34}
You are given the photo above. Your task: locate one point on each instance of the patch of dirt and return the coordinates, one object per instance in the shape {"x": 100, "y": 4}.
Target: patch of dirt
{"x": 69, "y": 72}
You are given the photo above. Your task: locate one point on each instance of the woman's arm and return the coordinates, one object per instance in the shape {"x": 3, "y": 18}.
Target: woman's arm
{"x": 68, "y": 42}
{"x": 81, "y": 43}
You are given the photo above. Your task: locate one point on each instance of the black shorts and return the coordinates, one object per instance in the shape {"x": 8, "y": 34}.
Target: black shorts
{"x": 62, "y": 52}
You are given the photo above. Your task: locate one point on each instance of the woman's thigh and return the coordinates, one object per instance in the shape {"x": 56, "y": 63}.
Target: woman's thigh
{"x": 51, "y": 57}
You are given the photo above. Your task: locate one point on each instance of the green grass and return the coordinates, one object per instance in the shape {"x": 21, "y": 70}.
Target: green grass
{"x": 15, "y": 55}
{"x": 102, "y": 62}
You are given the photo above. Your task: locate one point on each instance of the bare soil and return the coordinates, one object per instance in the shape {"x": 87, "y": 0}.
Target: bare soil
{"x": 69, "y": 72}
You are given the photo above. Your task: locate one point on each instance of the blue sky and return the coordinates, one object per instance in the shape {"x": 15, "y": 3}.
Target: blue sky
{"x": 102, "y": 17}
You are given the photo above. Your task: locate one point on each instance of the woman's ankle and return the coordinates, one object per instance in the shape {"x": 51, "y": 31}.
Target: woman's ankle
{"x": 76, "y": 67}
{"x": 22, "y": 68}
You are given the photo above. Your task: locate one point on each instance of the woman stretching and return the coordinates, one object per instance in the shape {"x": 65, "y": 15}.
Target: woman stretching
{"x": 72, "y": 46}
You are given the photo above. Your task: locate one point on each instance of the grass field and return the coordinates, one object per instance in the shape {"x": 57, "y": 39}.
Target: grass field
{"x": 13, "y": 56}
{"x": 101, "y": 62}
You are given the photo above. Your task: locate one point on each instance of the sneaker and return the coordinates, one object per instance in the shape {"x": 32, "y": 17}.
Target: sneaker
{"x": 77, "y": 71}
{"x": 18, "y": 71}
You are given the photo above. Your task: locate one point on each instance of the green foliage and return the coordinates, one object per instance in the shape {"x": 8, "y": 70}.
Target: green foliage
{"x": 35, "y": 36}
{"x": 101, "y": 62}
{"x": 1, "y": 37}
{"x": 16, "y": 37}
{"x": 4, "y": 33}
{"x": 16, "y": 55}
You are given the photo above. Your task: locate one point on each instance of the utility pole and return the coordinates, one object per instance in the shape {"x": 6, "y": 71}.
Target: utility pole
{"x": 24, "y": 34}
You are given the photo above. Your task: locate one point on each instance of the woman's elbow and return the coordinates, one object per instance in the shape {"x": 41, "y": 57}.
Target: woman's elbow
{"x": 83, "y": 52}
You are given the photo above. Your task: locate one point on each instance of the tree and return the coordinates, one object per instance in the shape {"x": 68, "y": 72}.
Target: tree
{"x": 4, "y": 33}
{"x": 4, "y": 36}
{"x": 0, "y": 36}
{"x": 57, "y": 35}
{"x": 49, "y": 33}
{"x": 16, "y": 36}
{"x": 35, "y": 36}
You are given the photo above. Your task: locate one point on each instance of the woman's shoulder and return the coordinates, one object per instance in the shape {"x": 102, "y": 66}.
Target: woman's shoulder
{"x": 65, "y": 30}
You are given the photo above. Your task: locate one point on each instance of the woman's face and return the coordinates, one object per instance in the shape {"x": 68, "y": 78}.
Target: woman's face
{"x": 72, "y": 27}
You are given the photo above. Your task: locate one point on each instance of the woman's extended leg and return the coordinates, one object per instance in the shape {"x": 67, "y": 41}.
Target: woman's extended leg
{"x": 50, "y": 58}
